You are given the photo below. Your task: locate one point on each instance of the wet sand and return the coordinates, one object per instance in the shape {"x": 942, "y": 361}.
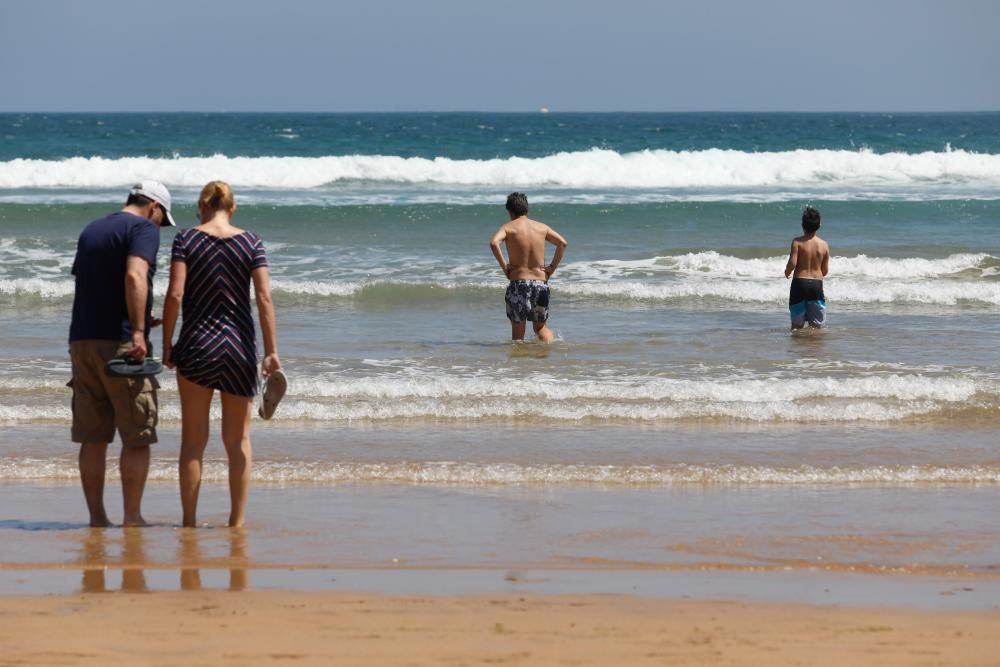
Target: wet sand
{"x": 934, "y": 530}
{"x": 256, "y": 628}
{"x": 388, "y": 574}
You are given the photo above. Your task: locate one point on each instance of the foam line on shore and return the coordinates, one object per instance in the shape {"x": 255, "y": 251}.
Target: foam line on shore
{"x": 444, "y": 473}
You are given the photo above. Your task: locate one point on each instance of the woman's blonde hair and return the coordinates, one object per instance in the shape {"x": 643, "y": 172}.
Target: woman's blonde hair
{"x": 216, "y": 196}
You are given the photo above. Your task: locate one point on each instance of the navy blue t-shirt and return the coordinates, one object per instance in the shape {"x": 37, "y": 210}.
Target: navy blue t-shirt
{"x": 99, "y": 307}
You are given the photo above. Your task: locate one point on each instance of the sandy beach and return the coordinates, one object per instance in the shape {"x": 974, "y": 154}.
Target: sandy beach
{"x": 257, "y": 628}
{"x": 357, "y": 588}
{"x": 675, "y": 480}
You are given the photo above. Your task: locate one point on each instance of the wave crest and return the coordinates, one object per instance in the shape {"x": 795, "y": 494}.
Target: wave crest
{"x": 596, "y": 168}
{"x": 437, "y": 395}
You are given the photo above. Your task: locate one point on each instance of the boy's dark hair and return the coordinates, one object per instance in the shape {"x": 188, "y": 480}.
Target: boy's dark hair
{"x": 138, "y": 200}
{"x": 810, "y": 219}
{"x": 517, "y": 204}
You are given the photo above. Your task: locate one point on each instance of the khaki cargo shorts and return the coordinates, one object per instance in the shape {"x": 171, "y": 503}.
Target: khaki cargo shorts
{"x": 103, "y": 402}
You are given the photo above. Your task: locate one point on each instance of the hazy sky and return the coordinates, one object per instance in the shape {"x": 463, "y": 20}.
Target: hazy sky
{"x": 502, "y": 55}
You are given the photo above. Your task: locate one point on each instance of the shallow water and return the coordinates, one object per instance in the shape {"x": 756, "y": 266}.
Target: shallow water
{"x": 915, "y": 546}
{"x": 674, "y": 423}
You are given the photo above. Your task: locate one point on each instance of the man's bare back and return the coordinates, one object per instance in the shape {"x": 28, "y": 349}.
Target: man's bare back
{"x": 527, "y": 296}
{"x": 808, "y": 258}
{"x": 525, "y": 240}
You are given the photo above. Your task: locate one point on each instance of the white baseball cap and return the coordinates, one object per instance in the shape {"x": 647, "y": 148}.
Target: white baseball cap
{"x": 157, "y": 192}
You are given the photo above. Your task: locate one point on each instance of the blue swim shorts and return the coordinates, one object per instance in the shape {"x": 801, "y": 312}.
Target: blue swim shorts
{"x": 806, "y": 303}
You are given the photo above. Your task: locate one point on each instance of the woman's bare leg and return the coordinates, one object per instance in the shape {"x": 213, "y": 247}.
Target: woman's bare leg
{"x": 236, "y": 437}
{"x": 196, "y": 402}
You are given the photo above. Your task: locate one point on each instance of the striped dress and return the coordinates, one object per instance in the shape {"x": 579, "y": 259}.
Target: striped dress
{"x": 217, "y": 347}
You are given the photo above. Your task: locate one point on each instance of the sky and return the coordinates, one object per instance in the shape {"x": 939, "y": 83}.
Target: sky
{"x": 514, "y": 55}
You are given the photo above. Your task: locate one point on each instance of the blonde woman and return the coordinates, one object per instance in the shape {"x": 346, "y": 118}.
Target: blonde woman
{"x": 211, "y": 269}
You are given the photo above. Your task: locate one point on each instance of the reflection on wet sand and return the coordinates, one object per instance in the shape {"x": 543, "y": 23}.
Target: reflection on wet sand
{"x": 94, "y": 554}
{"x": 95, "y": 560}
{"x": 191, "y": 558}
{"x": 97, "y": 555}
{"x": 133, "y": 560}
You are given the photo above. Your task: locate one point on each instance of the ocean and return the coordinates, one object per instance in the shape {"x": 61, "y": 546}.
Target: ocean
{"x": 673, "y": 370}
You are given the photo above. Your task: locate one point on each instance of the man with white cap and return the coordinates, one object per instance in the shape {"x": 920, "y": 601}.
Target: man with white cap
{"x": 112, "y": 314}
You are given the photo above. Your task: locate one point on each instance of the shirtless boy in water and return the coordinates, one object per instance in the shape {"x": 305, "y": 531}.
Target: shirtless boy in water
{"x": 527, "y": 295}
{"x": 809, "y": 260}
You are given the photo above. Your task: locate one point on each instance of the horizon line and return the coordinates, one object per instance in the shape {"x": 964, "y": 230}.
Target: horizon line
{"x": 541, "y": 111}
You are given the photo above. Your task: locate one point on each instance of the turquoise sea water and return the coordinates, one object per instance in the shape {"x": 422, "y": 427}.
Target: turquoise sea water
{"x": 480, "y": 136}
{"x": 670, "y": 307}
{"x": 675, "y": 421}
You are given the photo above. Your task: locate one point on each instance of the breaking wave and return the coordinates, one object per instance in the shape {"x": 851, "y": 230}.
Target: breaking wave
{"x": 596, "y": 168}
{"x": 960, "y": 279}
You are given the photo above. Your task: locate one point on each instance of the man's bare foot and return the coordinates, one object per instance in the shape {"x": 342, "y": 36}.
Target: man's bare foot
{"x": 99, "y": 522}
{"x": 135, "y": 521}
{"x": 236, "y": 523}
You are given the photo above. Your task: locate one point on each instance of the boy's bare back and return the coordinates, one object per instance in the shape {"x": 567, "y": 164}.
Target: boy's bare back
{"x": 808, "y": 258}
{"x": 809, "y": 261}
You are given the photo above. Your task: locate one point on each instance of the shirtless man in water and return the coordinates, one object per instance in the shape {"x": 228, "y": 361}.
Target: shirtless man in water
{"x": 809, "y": 261}
{"x": 527, "y": 295}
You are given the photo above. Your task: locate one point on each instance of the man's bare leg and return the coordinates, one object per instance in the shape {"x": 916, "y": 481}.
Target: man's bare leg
{"x": 92, "y": 467}
{"x": 543, "y": 332}
{"x": 517, "y": 330}
{"x": 134, "y": 465}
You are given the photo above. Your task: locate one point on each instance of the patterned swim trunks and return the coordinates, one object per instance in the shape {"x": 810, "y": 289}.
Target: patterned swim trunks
{"x": 527, "y": 300}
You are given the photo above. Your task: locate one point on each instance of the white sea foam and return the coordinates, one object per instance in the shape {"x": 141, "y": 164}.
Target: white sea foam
{"x": 910, "y": 268}
{"x": 713, "y": 263}
{"x": 317, "y": 287}
{"x": 418, "y": 385}
{"x": 52, "y": 288}
{"x": 31, "y": 414}
{"x": 840, "y": 290}
{"x": 965, "y": 278}
{"x": 949, "y": 281}
{"x": 942, "y": 294}
{"x": 33, "y": 383}
{"x": 596, "y": 168}
{"x": 34, "y": 255}
{"x": 433, "y": 394}
{"x": 837, "y": 290}
{"x": 447, "y": 473}
{"x": 389, "y": 195}
{"x": 37, "y": 287}
{"x": 437, "y": 396}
